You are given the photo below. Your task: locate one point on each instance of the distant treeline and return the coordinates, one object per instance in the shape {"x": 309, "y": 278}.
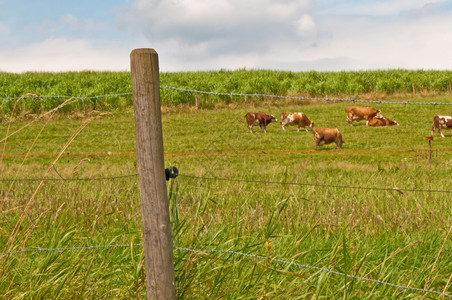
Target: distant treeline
{"x": 315, "y": 84}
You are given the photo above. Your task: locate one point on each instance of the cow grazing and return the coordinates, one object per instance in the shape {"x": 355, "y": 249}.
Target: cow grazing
{"x": 323, "y": 136}
{"x": 358, "y": 113}
{"x": 441, "y": 122}
{"x": 297, "y": 118}
{"x": 376, "y": 122}
{"x": 260, "y": 119}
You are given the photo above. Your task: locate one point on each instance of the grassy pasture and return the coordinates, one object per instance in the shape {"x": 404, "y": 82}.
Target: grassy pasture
{"x": 275, "y": 205}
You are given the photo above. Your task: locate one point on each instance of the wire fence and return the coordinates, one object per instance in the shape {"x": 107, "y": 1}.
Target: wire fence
{"x": 228, "y": 152}
{"x": 213, "y": 93}
{"x": 225, "y": 179}
{"x": 327, "y": 99}
{"x": 34, "y": 96}
{"x": 236, "y": 253}
{"x": 264, "y": 182}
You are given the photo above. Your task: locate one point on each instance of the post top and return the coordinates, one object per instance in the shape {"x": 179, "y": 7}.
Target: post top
{"x": 143, "y": 50}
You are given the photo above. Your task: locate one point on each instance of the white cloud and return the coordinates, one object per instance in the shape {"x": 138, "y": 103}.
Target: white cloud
{"x": 197, "y": 21}
{"x": 381, "y": 43}
{"x": 288, "y": 35}
{"x": 273, "y": 34}
{"x": 62, "y": 54}
{"x": 306, "y": 26}
{"x": 374, "y": 8}
{"x": 206, "y": 32}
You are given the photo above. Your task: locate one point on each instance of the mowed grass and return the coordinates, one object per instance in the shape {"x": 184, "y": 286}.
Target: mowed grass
{"x": 352, "y": 211}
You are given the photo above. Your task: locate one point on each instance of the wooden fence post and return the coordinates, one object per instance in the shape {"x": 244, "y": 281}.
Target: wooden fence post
{"x": 158, "y": 248}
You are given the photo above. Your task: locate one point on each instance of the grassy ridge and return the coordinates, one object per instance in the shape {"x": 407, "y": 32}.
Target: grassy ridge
{"x": 374, "y": 84}
{"x": 378, "y": 234}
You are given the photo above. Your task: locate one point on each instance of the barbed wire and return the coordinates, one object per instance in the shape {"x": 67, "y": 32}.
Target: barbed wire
{"x": 396, "y": 189}
{"x": 354, "y": 100}
{"x": 65, "y": 249}
{"x": 69, "y": 179}
{"x": 34, "y": 96}
{"x": 303, "y": 98}
{"x": 227, "y": 152}
{"x": 399, "y": 190}
{"x": 231, "y": 252}
{"x": 314, "y": 268}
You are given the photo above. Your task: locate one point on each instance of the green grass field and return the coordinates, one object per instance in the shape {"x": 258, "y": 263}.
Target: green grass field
{"x": 377, "y": 209}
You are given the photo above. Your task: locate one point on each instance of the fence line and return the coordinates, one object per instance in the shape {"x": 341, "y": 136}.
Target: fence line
{"x": 193, "y": 91}
{"x": 399, "y": 190}
{"x": 225, "y": 152}
{"x": 255, "y": 256}
{"x": 65, "y": 249}
{"x": 34, "y": 96}
{"x": 303, "y": 98}
{"x": 68, "y": 179}
{"x": 396, "y": 189}
{"x": 315, "y": 268}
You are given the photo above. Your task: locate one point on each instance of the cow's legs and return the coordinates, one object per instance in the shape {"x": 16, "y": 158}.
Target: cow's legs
{"x": 319, "y": 142}
{"x": 283, "y": 124}
{"x": 350, "y": 119}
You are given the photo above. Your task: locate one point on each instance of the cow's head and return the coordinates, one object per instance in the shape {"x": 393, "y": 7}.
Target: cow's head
{"x": 272, "y": 118}
{"x": 283, "y": 116}
{"x": 379, "y": 115}
{"x": 391, "y": 122}
{"x": 311, "y": 125}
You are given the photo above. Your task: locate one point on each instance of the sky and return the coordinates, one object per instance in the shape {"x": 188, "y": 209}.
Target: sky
{"x": 197, "y": 35}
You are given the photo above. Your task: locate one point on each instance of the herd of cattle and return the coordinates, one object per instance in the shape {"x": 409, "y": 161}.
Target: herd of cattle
{"x": 324, "y": 136}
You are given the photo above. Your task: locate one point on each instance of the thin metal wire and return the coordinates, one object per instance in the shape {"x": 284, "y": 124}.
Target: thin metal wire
{"x": 400, "y": 190}
{"x": 68, "y": 179}
{"x": 316, "y": 184}
{"x": 235, "y": 253}
{"x": 304, "y": 98}
{"x": 64, "y": 249}
{"x": 236, "y": 95}
{"x": 315, "y": 268}
{"x": 31, "y": 96}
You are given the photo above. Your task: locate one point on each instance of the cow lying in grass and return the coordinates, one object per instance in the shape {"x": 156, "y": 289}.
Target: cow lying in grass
{"x": 358, "y": 113}
{"x": 377, "y": 122}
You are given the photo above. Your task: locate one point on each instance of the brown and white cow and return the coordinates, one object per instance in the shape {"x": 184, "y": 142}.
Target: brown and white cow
{"x": 323, "y": 136}
{"x": 358, "y": 113}
{"x": 297, "y": 118}
{"x": 441, "y": 122}
{"x": 259, "y": 118}
{"x": 376, "y": 122}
